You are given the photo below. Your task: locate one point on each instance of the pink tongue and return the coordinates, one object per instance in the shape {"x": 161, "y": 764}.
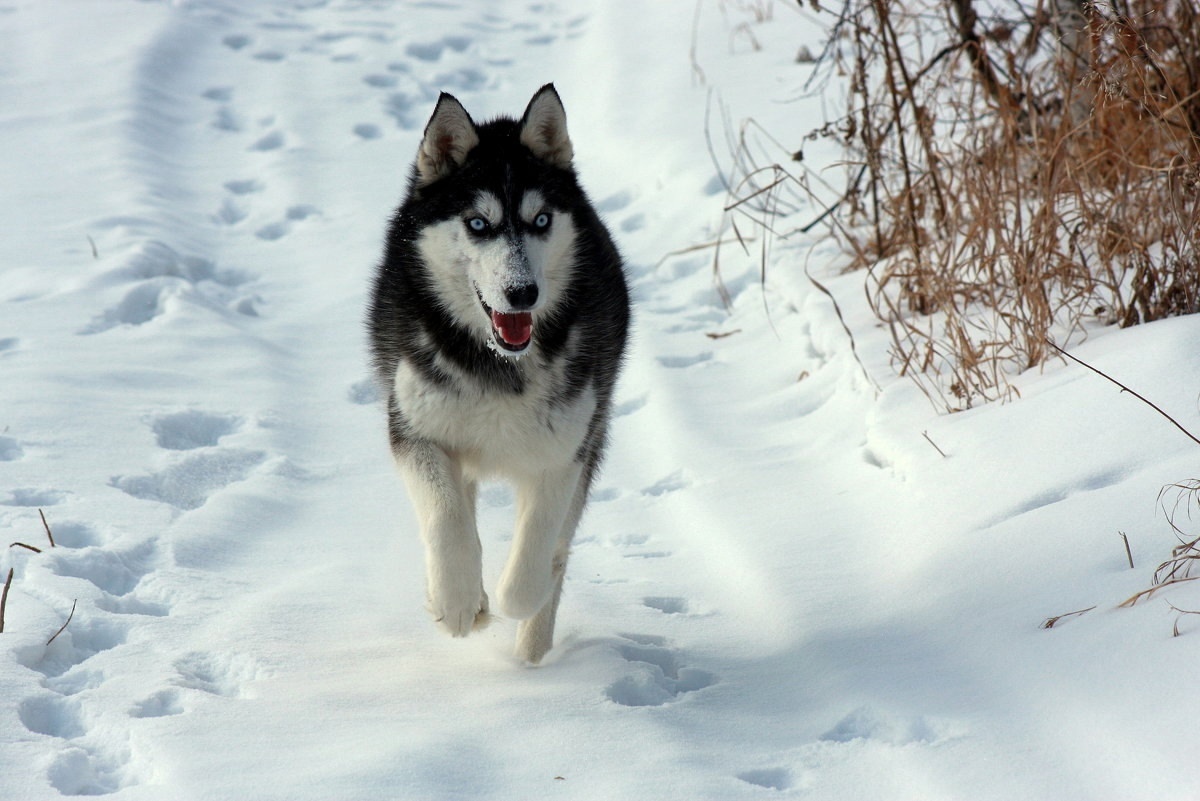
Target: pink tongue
{"x": 515, "y": 329}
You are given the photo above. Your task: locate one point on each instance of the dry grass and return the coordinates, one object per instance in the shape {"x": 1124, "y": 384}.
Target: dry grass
{"x": 1008, "y": 179}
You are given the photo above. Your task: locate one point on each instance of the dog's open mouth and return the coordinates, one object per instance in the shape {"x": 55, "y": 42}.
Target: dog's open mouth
{"x": 511, "y": 331}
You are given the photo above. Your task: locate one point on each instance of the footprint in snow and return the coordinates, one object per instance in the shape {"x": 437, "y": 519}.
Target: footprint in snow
{"x": 425, "y": 51}
{"x": 679, "y": 362}
{"x": 866, "y": 723}
{"x": 115, "y": 573}
{"x": 186, "y": 430}
{"x": 367, "y": 131}
{"x": 229, "y": 213}
{"x": 280, "y": 229}
{"x": 244, "y": 187}
{"x": 73, "y": 534}
{"x": 227, "y": 120}
{"x": 218, "y": 94}
{"x": 10, "y": 449}
{"x": 768, "y": 778}
{"x": 161, "y": 704}
{"x": 665, "y": 486}
{"x": 668, "y": 605}
{"x": 225, "y": 675}
{"x": 380, "y": 80}
{"x": 237, "y": 41}
{"x": 189, "y": 482}
{"x": 162, "y": 277}
{"x": 83, "y": 639}
{"x": 364, "y": 392}
{"x": 92, "y": 770}
{"x": 28, "y": 496}
{"x": 657, "y": 675}
{"x": 52, "y": 715}
{"x": 273, "y": 140}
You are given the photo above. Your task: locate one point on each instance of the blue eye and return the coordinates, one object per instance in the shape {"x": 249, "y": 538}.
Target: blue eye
{"x": 542, "y": 221}
{"x": 477, "y": 224}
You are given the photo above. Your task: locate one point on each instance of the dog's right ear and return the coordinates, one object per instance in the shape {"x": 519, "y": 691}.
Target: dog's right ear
{"x": 449, "y": 137}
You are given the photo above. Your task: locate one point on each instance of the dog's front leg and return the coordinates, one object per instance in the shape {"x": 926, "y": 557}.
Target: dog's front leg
{"x": 543, "y": 505}
{"x": 445, "y": 506}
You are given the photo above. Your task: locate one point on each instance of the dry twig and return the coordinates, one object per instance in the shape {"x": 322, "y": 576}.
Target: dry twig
{"x": 4, "y": 598}
{"x": 64, "y": 625}
{"x": 1050, "y": 622}
{"x": 49, "y": 533}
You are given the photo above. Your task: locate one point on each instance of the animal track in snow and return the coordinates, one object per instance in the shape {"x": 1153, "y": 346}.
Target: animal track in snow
{"x": 244, "y": 187}
{"x": 236, "y": 41}
{"x": 268, "y": 142}
{"x": 52, "y": 715}
{"x": 615, "y": 202}
{"x": 189, "y": 482}
{"x": 10, "y": 449}
{"x": 768, "y": 778}
{"x": 72, "y": 534}
{"x": 465, "y": 79}
{"x": 187, "y": 430}
{"x": 27, "y": 496}
{"x": 666, "y": 604}
{"x": 866, "y": 723}
{"x": 368, "y": 131}
{"x": 425, "y": 51}
{"x": 280, "y": 229}
{"x": 380, "y": 80}
{"x": 672, "y": 483}
{"x": 114, "y": 573}
{"x": 215, "y": 674}
{"x": 226, "y": 120}
{"x": 229, "y": 213}
{"x": 79, "y": 642}
{"x": 403, "y": 108}
{"x": 679, "y": 362}
{"x": 90, "y": 771}
{"x": 658, "y": 677}
{"x": 218, "y": 94}
{"x": 160, "y": 276}
{"x": 364, "y": 392}
{"x": 161, "y": 704}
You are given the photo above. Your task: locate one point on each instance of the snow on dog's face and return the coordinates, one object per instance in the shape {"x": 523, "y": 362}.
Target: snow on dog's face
{"x": 500, "y": 249}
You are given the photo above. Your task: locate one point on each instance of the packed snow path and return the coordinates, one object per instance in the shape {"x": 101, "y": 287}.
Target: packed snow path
{"x": 779, "y": 588}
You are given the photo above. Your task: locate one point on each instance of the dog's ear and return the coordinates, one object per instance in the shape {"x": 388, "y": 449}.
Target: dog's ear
{"x": 544, "y": 128}
{"x": 449, "y": 137}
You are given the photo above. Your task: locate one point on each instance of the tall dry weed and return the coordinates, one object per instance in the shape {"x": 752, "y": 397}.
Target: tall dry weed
{"x": 1024, "y": 175}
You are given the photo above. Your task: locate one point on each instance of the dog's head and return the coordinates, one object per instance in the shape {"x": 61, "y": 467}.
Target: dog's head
{"x": 500, "y": 233}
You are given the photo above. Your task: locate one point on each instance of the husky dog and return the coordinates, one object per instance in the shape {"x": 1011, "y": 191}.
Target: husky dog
{"x": 498, "y": 324}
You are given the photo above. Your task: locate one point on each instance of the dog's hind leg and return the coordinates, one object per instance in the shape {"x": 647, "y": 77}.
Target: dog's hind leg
{"x": 445, "y": 504}
{"x": 544, "y": 503}
{"x": 535, "y": 635}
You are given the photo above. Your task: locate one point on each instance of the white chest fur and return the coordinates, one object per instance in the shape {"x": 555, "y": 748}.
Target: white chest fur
{"x": 493, "y": 433}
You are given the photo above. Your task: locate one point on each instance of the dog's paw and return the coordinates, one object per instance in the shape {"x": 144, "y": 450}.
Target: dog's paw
{"x": 461, "y": 615}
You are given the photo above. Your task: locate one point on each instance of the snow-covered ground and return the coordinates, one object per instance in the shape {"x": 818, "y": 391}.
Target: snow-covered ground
{"x": 781, "y": 588}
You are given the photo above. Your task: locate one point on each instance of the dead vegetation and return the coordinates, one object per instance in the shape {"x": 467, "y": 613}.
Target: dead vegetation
{"x": 1014, "y": 176}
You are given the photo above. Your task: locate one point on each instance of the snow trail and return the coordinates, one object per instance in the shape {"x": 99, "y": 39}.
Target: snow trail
{"x": 779, "y": 586}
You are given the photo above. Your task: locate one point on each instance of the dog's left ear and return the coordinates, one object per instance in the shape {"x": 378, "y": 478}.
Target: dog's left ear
{"x": 544, "y": 128}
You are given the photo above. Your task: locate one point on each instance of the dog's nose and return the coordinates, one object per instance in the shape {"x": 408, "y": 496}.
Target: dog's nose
{"x": 522, "y": 297}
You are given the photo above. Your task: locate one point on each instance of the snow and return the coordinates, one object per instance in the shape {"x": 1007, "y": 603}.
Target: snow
{"x": 781, "y": 587}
